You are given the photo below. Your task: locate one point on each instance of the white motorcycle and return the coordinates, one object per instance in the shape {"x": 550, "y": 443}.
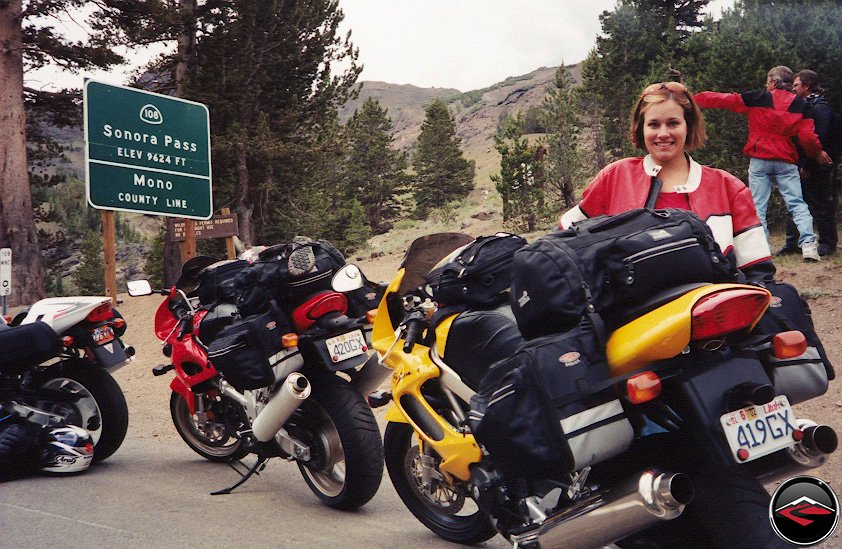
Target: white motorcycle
{"x": 56, "y": 361}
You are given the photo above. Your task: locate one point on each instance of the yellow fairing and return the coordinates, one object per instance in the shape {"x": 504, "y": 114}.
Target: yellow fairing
{"x": 657, "y": 335}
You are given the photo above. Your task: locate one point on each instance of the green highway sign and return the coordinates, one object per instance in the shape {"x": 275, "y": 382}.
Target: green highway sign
{"x": 146, "y": 152}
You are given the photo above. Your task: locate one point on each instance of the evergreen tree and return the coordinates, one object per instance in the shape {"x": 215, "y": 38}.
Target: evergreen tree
{"x": 375, "y": 171}
{"x": 154, "y": 268}
{"x": 520, "y": 181}
{"x": 564, "y": 161}
{"x": 442, "y": 172}
{"x": 89, "y": 277}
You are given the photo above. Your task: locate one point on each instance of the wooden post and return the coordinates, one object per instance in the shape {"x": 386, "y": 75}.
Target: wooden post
{"x": 229, "y": 240}
{"x": 109, "y": 248}
{"x": 188, "y": 246}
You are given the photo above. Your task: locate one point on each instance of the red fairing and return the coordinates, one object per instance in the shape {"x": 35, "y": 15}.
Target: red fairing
{"x": 305, "y": 315}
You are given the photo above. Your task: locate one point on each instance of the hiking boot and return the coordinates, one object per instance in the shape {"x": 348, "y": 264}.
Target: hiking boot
{"x": 788, "y": 250}
{"x": 810, "y": 251}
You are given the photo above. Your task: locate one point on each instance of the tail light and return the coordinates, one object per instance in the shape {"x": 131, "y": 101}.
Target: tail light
{"x": 789, "y": 345}
{"x": 726, "y": 312}
{"x": 643, "y": 387}
{"x": 103, "y": 312}
{"x": 306, "y": 314}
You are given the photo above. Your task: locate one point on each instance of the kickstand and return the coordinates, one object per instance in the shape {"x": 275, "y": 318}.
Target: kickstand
{"x": 255, "y": 469}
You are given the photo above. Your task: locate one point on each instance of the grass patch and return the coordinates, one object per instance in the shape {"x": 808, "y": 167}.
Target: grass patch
{"x": 815, "y": 293}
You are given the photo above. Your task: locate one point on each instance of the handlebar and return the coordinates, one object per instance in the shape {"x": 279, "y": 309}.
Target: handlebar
{"x": 414, "y": 323}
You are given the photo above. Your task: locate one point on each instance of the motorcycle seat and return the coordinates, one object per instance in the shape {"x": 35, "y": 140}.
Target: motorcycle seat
{"x": 25, "y": 346}
{"x": 478, "y": 338}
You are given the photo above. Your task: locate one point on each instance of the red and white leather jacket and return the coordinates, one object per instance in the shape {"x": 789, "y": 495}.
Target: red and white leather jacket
{"x": 717, "y": 197}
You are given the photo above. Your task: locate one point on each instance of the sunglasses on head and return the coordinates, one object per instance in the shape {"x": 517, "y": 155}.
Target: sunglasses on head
{"x": 671, "y": 86}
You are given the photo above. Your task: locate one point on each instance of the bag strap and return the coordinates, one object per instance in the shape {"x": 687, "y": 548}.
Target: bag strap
{"x": 654, "y": 191}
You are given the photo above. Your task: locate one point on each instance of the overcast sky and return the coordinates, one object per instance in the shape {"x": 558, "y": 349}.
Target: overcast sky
{"x": 462, "y": 44}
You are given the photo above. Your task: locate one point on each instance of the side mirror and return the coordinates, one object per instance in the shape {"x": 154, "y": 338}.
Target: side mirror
{"x": 139, "y": 287}
{"x": 348, "y": 278}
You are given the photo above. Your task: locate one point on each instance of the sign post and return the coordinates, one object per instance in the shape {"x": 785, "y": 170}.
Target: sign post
{"x": 5, "y": 276}
{"x": 145, "y": 153}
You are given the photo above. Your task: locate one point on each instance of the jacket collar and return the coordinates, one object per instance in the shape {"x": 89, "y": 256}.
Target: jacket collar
{"x": 694, "y": 178}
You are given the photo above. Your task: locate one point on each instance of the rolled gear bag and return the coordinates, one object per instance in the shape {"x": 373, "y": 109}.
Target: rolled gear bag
{"x": 216, "y": 283}
{"x": 550, "y": 408}
{"x": 476, "y": 274}
{"x": 278, "y": 273}
{"x": 607, "y": 262}
{"x": 803, "y": 377}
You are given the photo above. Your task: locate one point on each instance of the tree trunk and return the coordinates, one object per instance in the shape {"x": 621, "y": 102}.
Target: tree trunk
{"x": 242, "y": 205}
{"x": 186, "y": 51}
{"x": 17, "y": 225}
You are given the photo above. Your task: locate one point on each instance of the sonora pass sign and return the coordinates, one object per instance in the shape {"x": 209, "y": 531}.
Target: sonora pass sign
{"x": 146, "y": 152}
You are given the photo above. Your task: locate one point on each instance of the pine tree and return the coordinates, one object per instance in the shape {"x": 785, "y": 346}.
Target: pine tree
{"x": 375, "y": 171}
{"x": 520, "y": 182}
{"x": 442, "y": 172}
{"x": 564, "y": 160}
{"x": 88, "y": 276}
{"x": 154, "y": 268}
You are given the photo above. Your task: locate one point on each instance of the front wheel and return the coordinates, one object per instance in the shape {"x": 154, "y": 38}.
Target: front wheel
{"x": 346, "y": 453}
{"x": 209, "y": 431}
{"x": 440, "y": 505}
{"x": 101, "y": 408}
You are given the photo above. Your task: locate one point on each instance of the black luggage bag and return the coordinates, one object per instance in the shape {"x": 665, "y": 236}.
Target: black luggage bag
{"x": 217, "y": 283}
{"x": 477, "y": 273}
{"x": 550, "y": 408}
{"x": 607, "y": 261}
{"x": 803, "y": 377}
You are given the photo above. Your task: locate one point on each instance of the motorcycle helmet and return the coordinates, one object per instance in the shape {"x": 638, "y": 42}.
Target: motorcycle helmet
{"x": 68, "y": 449}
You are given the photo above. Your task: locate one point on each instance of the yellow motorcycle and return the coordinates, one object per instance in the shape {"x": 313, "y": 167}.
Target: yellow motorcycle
{"x": 697, "y": 404}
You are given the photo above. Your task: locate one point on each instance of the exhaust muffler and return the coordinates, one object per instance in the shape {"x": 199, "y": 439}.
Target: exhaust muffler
{"x": 294, "y": 390}
{"x": 601, "y": 520}
{"x": 812, "y": 451}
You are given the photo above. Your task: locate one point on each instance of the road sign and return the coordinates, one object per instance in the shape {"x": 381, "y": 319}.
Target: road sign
{"x": 219, "y": 226}
{"x": 146, "y": 152}
{"x": 5, "y": 271}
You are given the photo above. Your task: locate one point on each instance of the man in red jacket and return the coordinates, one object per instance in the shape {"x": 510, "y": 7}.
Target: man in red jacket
{"x": 776, "y": 117}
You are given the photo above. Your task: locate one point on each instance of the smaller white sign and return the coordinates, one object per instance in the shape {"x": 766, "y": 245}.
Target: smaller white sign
{"x": 5, "y": 271}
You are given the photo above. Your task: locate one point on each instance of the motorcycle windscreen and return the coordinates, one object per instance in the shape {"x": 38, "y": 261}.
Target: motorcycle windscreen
{"x": 424, "y": 253}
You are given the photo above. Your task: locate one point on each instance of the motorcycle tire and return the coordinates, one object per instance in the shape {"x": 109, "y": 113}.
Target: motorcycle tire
{"x": 398, "y": 445}
{"x": 346, "y": 452}
{"x": 102, "y": 410}
{"x": 212, "y": 439}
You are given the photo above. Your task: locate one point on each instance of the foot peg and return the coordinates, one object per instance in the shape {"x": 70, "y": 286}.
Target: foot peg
{"x": 379, "y": 398}
{"x": 162, "y": 369}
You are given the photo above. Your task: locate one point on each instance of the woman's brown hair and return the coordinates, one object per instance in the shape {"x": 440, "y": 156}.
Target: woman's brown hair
{"x": 664, "y": 91}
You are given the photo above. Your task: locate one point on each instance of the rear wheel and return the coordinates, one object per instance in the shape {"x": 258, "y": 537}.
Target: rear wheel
{"x": 346, "y": 452}
{"x": 209, "y": 433}
{"x": 441, "y": 506}
{"x": 101, "y": 408}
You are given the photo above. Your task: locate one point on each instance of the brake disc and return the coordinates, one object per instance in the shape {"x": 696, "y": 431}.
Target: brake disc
{"x": 430, "y": 485}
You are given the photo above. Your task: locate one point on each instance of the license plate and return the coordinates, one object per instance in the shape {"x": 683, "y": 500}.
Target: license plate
{"x": 102, "y": 335}
{"x": 346, "y": 346}
{"x": 757, "y": 431}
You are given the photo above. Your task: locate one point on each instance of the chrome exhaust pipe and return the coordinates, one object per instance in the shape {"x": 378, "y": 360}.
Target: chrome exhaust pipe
{"x": 294, "y": 390}
{"x": 812, "y": 451}
{"x": 371, "y": 376}
{"x": 595, "y": 522}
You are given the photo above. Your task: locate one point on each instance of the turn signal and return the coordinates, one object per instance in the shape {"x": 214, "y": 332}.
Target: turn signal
{"x": 789, "y": 344}
{"x": 289, "y": 340}
{"x": 67, "y": 341}
{"x": 370, "y": 315}
{"x": 643, "y": 387}
{"x": 118, "y": 323}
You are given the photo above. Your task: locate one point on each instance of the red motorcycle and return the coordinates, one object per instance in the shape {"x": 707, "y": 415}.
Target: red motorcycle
{"x": 312, "y": 409}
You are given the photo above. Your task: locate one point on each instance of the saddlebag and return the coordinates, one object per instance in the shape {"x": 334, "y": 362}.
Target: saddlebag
{"x": 608, "y": 261}
{"x": 25, "y": 346}
{"x": 803, "y": 377}
{"x": 269, "y": 277}
{"x": 477, "y": 273}
{"x": 241, "y": 352}
{"x": 550, "y": 408}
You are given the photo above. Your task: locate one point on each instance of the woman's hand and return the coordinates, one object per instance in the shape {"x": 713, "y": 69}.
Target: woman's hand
{"x": 824, "y": 159}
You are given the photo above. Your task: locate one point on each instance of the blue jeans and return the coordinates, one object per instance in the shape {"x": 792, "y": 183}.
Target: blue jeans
{"x": 760, "y": 174}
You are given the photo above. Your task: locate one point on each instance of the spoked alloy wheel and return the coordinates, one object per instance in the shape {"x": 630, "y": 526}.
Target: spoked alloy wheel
{"x": 441, "y": 506}
{"x": 102, "y": 408}
{"x": 207, "y": 433}
{"x": 346, "y": 453}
